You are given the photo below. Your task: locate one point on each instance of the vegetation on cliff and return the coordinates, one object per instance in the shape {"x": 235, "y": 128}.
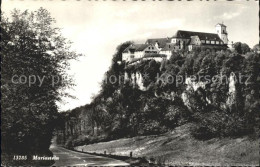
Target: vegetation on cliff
{"x": 217, "y": 91}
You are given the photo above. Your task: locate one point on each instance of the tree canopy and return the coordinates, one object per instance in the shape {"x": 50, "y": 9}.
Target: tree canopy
{"x": 241, "y": 48}
{"x": 35, "y": 57}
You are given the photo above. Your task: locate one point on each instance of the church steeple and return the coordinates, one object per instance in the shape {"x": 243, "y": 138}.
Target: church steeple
{"x": 222, "y": 32}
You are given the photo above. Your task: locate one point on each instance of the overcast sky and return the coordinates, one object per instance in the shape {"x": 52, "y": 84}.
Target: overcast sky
{"x": 97, "y": 27}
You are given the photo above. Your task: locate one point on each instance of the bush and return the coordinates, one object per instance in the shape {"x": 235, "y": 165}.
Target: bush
{"x": 68, "y": 143}
{"x": 219, "y": 124}
{"x": 175, "y": 116}
{"x": 151, "y": 127}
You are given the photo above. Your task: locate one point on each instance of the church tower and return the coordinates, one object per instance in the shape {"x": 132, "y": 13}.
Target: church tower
{"x": 222, "y": 32}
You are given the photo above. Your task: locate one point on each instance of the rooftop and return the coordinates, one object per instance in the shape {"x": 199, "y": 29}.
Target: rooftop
{"x": 136, "y": 47}
{"x": 161, "y": 41}
{"x": 221, "y": 24}
{"x": 169, "y": 47}
{"x": 201, "y": 35}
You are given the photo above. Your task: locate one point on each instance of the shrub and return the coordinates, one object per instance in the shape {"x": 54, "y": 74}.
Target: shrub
{"x": 68, "y": 143}
{"x": 175, "y": 116}
{"x": 151, "y": 127}
{"x": 219, "y": 124}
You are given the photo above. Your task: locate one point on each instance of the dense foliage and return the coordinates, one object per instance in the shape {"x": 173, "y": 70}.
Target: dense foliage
{"x": 34, "y": 60}
{"x": 222, "y": 99}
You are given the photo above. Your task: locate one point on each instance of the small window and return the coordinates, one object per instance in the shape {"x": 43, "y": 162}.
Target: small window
{"x": 152, "y": 48}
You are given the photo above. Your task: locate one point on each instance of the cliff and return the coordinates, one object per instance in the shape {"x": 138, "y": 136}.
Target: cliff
{"x": 201, "y": 88}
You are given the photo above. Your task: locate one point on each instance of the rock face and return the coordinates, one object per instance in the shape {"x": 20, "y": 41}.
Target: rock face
{"x": 126, "y": 77}
{"x": 231, "y": 91}
{"x": 139, "y": 81}
{"x": 191, "y": 87}
{"x": 136, "y": 79}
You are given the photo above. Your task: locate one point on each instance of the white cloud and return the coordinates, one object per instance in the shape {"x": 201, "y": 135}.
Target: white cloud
{"x": 230, "y": 15}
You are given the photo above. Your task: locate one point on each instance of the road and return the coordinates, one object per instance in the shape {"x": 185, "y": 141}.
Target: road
{"x": 73, "y": 158}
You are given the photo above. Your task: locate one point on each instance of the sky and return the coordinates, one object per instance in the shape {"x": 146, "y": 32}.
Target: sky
{"x": 96, "y": 28}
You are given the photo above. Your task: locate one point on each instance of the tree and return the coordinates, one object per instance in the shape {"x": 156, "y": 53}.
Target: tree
{"x": 176, "y": 58}
{"x": 256, "y": 48}
{"x": 241, "y": 48}
{"x": 32, "y": 49}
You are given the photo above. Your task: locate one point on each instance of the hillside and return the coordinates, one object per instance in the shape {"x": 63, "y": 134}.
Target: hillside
{"x": 194, "y": 105}
{"x": 178, "y": 147}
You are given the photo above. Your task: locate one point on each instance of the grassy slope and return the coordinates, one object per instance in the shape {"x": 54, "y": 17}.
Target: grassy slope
{"x": 179, "y": 148}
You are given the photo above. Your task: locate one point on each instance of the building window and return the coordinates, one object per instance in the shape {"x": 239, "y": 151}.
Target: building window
{"x": 212, "y": 42}
{"x": 132, "y": 56}
{"x": 202, "y": 41}
{"x": 208, "y": 42}
{"x": 152, "y": 47}
{"x": 217, "y": 42}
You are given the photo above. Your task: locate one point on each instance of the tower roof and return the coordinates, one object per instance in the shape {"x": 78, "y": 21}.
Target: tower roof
{"x": 221, "y": 24}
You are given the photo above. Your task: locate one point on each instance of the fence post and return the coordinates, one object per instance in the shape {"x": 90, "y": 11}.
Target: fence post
{"x": 131, "y": 154}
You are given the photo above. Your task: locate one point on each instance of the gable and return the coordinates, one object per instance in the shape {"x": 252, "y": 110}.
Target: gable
{"x": 169, "y": 47}
{"x": 160, "y": 41}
